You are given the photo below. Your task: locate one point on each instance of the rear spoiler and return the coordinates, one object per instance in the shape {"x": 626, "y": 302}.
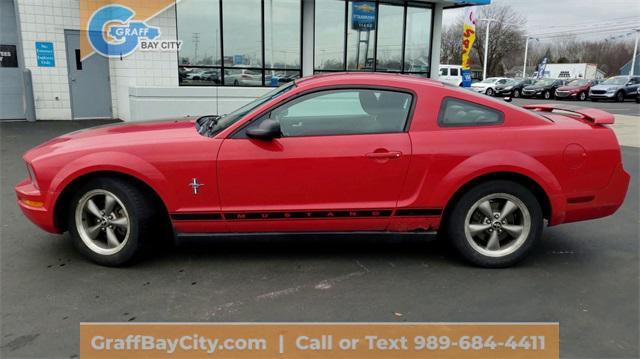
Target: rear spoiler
{"x": 595, "y": 116}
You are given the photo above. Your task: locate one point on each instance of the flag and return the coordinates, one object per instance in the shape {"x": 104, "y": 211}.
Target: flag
{"x": 468, "y": 38}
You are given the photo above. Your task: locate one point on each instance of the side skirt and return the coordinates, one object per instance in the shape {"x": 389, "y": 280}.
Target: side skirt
{"x": 187, "y": 237}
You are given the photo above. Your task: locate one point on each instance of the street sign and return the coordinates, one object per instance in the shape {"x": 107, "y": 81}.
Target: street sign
{"x": 363, "y": 15}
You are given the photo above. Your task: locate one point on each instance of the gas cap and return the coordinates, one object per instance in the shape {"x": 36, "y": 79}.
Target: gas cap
{"x": 574, "y": 156}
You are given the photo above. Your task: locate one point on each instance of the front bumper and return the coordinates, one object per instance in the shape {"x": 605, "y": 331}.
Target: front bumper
{"x": 606, "y": 95}
{"x": 477, "y": 89}
{"x": 536, "y": 93}
{"x": 503, "y": 92}
{"x": 36, "y": 206}
{"x": 566, "y": 94}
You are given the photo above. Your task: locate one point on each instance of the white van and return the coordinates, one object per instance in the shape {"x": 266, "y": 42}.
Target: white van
{"x": 451, "y": 74}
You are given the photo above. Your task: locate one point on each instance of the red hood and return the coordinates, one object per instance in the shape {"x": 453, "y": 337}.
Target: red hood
{"x": 116, "y": 135}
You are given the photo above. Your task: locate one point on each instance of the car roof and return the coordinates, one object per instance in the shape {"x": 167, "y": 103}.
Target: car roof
{"x": 366, "y": 77}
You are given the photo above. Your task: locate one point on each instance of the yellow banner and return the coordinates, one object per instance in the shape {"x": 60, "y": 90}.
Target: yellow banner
{"x": 468, "y": 36}
{"x": 320, "y": 340}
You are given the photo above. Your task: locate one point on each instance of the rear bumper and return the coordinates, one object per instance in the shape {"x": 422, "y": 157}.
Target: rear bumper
{"x": 601, "y": 204}
{"x": 42, "y": 216}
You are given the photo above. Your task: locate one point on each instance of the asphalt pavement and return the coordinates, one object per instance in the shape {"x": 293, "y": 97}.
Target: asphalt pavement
{"x": 583, "y": 275}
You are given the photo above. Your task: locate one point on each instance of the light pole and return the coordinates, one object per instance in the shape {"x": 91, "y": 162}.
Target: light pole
{"x": 635, "y": 52}
{"x": 486, "y": 46}
{"x": 526, "y": 49}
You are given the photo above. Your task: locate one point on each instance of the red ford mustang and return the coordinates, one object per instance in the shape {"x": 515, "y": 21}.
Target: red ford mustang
{"x": 333, "y": 153}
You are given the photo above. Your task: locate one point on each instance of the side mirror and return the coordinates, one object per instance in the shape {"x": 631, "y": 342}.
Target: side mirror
{"x": 507, "y": 99}
{"x": 268, "y": 130}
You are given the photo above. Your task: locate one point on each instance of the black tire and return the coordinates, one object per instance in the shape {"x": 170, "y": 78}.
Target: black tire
{"x": 547, "y": 95}
{"x": 490, "y": 92}
{"x": 516, "y": 93}
{"x": 582, "y": 96}
{"x": 236, "y": 83}
{"x": 455, "y": 223}
{"x": 141, "y": 216}
{"x": 620, "y": 96}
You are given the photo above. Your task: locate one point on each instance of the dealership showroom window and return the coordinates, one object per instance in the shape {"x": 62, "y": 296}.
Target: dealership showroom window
{"x": 259, "y": 43}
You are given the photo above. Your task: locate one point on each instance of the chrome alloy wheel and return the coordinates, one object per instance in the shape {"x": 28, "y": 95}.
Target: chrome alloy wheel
{"x": 102, "y": 222}
{"x": 497, "y": 225}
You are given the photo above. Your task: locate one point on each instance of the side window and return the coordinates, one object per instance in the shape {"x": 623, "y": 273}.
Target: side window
{"x": 344, "y": 112}
{"x": 456, "y": 112}
{"x": 454, "y": 72}
{"x": 444, "y": 72}
{"x": 502, "y": 82}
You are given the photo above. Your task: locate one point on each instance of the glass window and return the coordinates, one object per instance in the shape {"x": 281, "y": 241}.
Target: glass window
{"x": 444, "y": 72}
{"x": 456, "y": 112}
{"x": 242, "y": 26}
{"x": 329, "y": 35}
{"x": 344, "y": 112}
{"x": 245, "y": 58}
{"x": 281, "y": 35}
{"x": 454, "y": 72}
{"x": 361, "y": 35}
{"x": 417, "y": 40}
{"x": 390, "y": 37}
{"x": 375, "y": 36}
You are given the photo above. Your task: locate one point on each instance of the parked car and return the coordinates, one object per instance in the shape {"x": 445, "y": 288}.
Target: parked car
{"x": 616, "y": 88}
{"x": 544, "y": 88}
{"x": 451, "y": 74}
{"x": 577, "y": 89}
{"x": 513, "y": 87}
{"x": 488, "y": 85}
{"x": 243, "y": 77}
{"x": 332, "y": 153}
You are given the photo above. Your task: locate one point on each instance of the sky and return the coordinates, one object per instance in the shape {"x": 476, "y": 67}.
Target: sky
{"x": 553, "y": 16}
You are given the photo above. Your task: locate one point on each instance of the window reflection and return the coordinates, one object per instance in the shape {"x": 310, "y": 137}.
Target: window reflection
{"x": 417, "y": 40}
{"x": 241, "y": 21}
{"x": 198, "y": 29}
{"x": 361, "y": 35}
{"x": 282, "y": 33}
{"x": 329, "y": 35}
{"x": 390, "y": 38}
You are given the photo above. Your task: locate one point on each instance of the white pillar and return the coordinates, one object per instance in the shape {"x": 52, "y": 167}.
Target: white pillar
{"x": 635, "y": 53}
{"x": 307, "y": 37}
{"x": 434, "y": 68}
{"x": 486, "y": 51}
{"x": 526, "y": 49}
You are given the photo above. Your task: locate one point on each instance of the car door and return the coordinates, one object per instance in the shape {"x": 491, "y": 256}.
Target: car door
{"x": 339, "y": 165}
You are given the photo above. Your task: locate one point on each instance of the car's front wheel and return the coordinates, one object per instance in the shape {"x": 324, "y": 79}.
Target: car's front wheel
{"x": 110, "y": 221}
{"x": 620, "y": 96}
{"x": 490, "y": 92}
{"x": 495, "y": 224}
{"x": 547, "y": 95}
{"x": 516, "y": 93}
{"x": 582, "y": 96}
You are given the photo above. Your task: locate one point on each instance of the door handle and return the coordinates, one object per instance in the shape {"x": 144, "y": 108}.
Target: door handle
{"x": 384, "y": 155}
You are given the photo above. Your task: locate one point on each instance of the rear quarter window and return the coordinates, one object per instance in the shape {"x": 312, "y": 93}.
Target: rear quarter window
{"x": 457, "y": 112}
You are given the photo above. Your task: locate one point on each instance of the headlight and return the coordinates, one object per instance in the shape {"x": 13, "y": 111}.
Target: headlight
{"x": 32, "y": 175}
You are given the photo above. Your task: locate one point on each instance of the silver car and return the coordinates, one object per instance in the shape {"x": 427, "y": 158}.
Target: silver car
{"x": 616, "y": 88}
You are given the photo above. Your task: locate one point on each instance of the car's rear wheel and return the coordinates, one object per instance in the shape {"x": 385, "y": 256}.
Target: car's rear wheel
{"x": 516, "y": 93}
{"x": 620, "y": 96}
{"x": 495, "y": 224}
{"x": 490, "y": 92}
{"x": 110, "y": 221}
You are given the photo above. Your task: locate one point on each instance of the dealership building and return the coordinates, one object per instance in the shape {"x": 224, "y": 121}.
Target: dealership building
{"x": 195, "y": 57}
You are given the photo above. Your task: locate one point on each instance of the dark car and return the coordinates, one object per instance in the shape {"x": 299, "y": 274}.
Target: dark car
{"x": 616, "y": 88}
{"x": 576, "y": 89}
{"x": 513, "y": 87}
{"x": 544, "y": 88}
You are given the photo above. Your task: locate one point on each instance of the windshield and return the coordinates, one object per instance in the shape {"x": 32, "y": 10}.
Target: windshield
{"x": 618, "y": 80}
{"x": 578, "y": 82}
{"x": 231, "y": 118}
{"x": 544, "y": 82}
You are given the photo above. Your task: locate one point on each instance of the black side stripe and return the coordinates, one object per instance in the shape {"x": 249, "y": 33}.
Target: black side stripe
{"x": 236, "y": 216}
{"x": 196, "y": 216}
{"x": 418, "y": 212}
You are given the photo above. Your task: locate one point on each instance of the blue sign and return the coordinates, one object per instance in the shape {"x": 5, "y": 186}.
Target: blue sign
{"x": 363, "y": 15}
{"x": 466, "y": 78}
{"x": 238, "y": 60}
{"x": 45, "y": 54}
